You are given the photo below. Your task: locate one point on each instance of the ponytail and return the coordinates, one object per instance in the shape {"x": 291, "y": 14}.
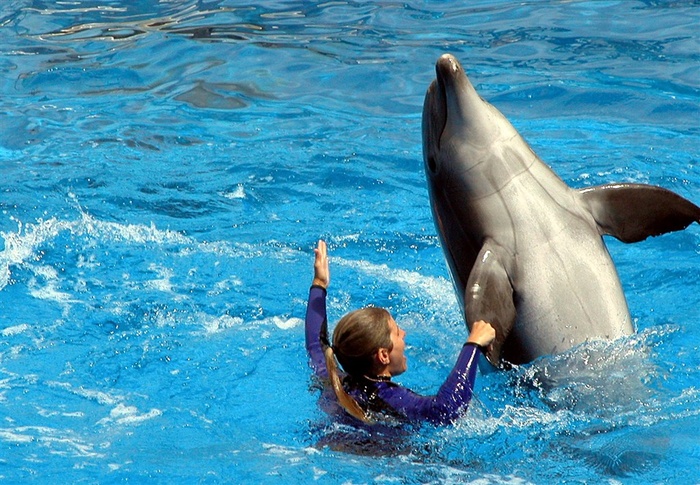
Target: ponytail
{"x": 344, "y": 399}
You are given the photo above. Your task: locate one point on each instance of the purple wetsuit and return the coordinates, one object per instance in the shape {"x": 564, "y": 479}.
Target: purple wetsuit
{"x": 383, "y": 396}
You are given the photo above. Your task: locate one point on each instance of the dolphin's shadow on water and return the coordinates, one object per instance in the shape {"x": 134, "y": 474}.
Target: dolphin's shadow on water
{"x": 622, "y": 453}
{"x": 645, "y": 451}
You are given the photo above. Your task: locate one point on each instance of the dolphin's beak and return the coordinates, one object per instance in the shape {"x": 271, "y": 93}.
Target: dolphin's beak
{"x": 434, "y": 120}
{"x": 448, "y": 71}
{"x": 448, "y": 97}
{"x": 457, "y": 91}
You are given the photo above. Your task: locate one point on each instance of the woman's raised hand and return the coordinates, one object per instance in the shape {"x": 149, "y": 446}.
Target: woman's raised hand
{"x": 322, "y": 273}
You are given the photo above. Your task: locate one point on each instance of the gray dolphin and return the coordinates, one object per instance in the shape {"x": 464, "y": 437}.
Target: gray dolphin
{"x": 525, "y": 250}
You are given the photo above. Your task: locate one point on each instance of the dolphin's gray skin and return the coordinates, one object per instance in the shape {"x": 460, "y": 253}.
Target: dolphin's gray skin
{"x": 525, "y": 250}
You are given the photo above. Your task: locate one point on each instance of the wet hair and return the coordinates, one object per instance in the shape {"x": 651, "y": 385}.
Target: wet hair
{"x": 356, "y": 339}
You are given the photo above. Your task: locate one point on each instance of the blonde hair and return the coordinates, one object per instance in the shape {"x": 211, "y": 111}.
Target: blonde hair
{"x": 356, "y": 340}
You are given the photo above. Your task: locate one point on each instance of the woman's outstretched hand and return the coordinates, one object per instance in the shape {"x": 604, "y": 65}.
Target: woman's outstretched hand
{"x": 322, "y": 273}
{"x": 482, "y": 334}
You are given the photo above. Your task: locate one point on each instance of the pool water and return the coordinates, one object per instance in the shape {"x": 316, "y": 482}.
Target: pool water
{"x": 168, "y": 166}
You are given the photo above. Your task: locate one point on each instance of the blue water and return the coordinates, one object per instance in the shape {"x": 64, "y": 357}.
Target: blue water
{"x": 167, "y": 167}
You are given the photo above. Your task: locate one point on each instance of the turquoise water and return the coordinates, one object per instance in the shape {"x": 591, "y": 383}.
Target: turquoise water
{"x": 168, "y": 166}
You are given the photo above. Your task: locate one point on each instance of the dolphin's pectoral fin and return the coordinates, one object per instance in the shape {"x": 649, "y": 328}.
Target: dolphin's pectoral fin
{"x": 633, "y": 212}
{"x": 489, "y": 297}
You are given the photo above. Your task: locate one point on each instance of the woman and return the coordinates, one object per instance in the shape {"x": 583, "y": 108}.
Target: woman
{"x": 369, "y": 346}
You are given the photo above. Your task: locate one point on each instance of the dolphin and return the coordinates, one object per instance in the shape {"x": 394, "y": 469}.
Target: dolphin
{"x": 525, "y": 251}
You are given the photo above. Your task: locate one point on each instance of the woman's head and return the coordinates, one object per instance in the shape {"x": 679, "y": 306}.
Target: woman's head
{"x": 364, "y": 343}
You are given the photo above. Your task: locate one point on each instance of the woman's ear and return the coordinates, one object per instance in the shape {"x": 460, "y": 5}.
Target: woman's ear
{"x": 383, "y": 356}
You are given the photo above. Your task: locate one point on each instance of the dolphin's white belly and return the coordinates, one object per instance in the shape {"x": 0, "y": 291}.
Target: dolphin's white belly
{"x": 562, "y": 274}
{"x": 569, "y": 284}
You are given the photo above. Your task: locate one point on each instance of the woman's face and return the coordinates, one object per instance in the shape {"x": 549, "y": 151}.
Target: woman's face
{"x": 397, "y": 360}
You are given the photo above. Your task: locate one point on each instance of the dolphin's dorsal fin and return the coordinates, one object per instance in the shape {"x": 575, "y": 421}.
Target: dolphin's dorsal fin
{"x": 633, "y": 212}
{"x": 488, "y": 296}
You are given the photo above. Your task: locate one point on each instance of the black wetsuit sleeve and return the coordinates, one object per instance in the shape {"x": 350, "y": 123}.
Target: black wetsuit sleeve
{"x": 316, "y": 330}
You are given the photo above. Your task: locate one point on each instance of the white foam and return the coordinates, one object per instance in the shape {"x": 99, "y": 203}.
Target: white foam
{"x": 14, "y": 330}
{"x": 162, "y": 283}
{"x": 438, "y": 291}
{"x": 49, "y": 290}
{"x": 288, "y": 323}
{"x": 79, "y": 448}
{"x": 224, "y": 285}
{"x": 97, "y": 396}
{"x": 55, "y": 440}
{"x": 434, "y": 287}
{"x": 13, "y": 437}
{"x": 129, "y": 415}
{"x": 133, "y": 233}
{"x": 22, "y": 245}
{"x": 238, "y": 193}
{"x": 23, "y": 249}
{"x": 212, "y": 324}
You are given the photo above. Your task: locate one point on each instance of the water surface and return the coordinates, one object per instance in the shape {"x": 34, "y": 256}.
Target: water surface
{"x": 168, "y": 166}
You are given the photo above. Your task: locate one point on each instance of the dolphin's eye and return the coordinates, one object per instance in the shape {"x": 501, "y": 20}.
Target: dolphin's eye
{"x": 432, "y": 164}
